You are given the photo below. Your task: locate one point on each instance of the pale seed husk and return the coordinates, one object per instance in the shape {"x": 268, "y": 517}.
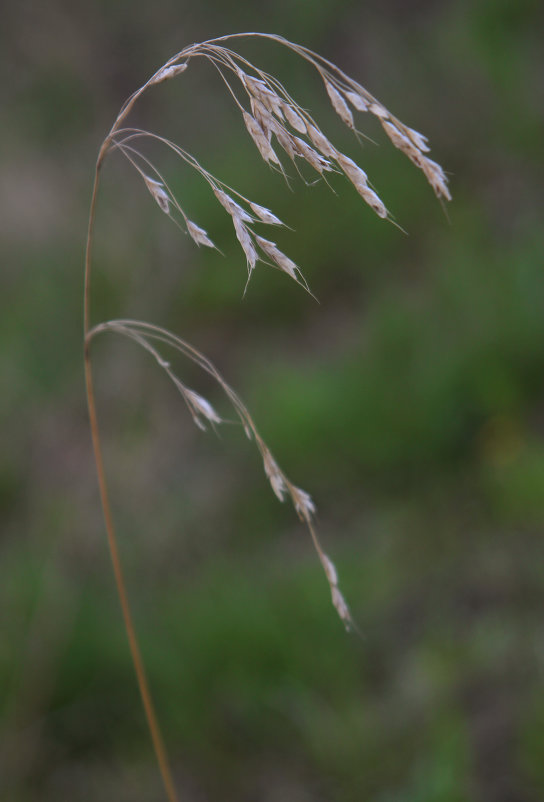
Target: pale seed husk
{"x": 357, "y": 101}
{"x": 319, "y": 163}
{"x": 233, "y": 208}
{"x": 158, "y": 193}
{"x": 245, "y": 240}
{"x": 321, "y": 142}
{"x": 339, "y": 104}
{"x": 261, "y": 140}
{"x": 265, "y": 215}
{"x": 293, "y": 118}
{"x": 168, "y": 72}
{"x": 199, "y": 235}
{"x": 277, "y": 256}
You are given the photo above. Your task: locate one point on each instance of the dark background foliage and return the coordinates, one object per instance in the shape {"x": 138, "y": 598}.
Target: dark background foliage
{"x": 409, "y": 402}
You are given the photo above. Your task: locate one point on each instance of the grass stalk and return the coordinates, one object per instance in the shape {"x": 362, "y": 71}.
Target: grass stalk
{"x": 277, "y": 124}
{"x": 141, "y": 677}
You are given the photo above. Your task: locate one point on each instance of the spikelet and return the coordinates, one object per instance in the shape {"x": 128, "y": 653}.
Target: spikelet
{"x": 265, "y": 215}
{"x": 274, "y": 474}
{"x": 337, "y": 598}
{"x": 321, "y": 142}
{"x": 263, "y": 117}
{"x": 168, "y": 72}
{"x": 293, "y": 118}
{"x": 158, "y": 193}
{"x": 357, "y": 101}
{"x": 280, "y": 259}
{"x": 260, "y": 138}
{"x": 199, "y": 407}
{"x": 199, "y": 235}
{"x": 304, "y": 505}
{"x": 233, "y": 208}
{"x": 245, "y": 240}
{"x": 260, "y": 91}
{"x": 286, "y": 140}
{"x": 405, "y": 139}
{"x": 378, "y": 110}
{"x": 359, "y": 179}
{"x": 319, "y": 163}
{"x": 339, "y": 104}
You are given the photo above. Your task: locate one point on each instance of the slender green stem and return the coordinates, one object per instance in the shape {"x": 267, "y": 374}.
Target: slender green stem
{"x": 151, "y": 717}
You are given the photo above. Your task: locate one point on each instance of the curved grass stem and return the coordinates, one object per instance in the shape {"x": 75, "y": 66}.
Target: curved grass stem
{"x": 143, "y": 685}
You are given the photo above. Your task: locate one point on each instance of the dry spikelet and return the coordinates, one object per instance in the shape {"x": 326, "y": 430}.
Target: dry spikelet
{"x": 339, "y": 104}
{"x": 321, "y": 142}
{"x": 265, "y": 215}
{"x": 398, "y": 138}
{"x": 436, "y": 177}
{"x": 337, "y": 598}
{"x": 418, "y": 139}
{"x": 275, "y": 476}
{"x": 244, "y": 238}
{"x": 260, "y": 138}
{"x": 405, "y": 139}
{"x": 330, "y": 569}
{"x": 199, "y": 235}
{"x": 359, "y": 179}
{"x": 374, "y": 201}
{"x": 158, "y": 193}
{"x": 263, "y": 116}
{"x": 304, "y": 505}
{"x": 378, "y": 110}
{"x": 356, "y": 175}
{"x": 285, "y": 139}
{"x": 341, "y": 607}
{"x": 293, "y": 118}
{"x": 199, "y": 407}
{"x": 357, "y": 101}
{"x": 262, "y": 92}
{"x": 319, "y": 163}
{"x": 233, "y": 208}
{"x": 281, "y": 260}
{"x": 168, "y": 72}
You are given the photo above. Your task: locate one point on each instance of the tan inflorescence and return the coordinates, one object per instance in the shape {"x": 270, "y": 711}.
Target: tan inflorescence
{"x": 277, "y": 125}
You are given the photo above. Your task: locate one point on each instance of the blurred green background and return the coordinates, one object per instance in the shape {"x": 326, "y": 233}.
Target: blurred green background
{"x": 409, "y": 403}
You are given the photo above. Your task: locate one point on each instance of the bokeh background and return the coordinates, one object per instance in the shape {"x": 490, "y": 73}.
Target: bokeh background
{"x": 409, "y": 402}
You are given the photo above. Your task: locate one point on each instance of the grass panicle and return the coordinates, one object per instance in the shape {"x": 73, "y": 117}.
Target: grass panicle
{"x": 283, "y": 133}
